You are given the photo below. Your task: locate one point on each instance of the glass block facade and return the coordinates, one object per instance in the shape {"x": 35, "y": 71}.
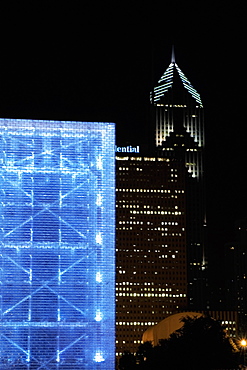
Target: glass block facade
{"x": 57, "y": 292}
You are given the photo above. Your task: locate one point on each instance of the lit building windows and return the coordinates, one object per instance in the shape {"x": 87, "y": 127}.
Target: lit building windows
{"x": 155, "y": 211}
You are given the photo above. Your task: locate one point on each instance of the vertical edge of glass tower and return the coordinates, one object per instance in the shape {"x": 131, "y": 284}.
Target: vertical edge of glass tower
{"x": 57, "y": 209}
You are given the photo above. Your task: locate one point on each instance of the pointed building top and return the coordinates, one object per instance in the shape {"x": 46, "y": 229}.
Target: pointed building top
{"x": 166, "y": 82}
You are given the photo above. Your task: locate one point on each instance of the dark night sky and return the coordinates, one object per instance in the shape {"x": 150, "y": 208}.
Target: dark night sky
{"x": 89, "y": 62}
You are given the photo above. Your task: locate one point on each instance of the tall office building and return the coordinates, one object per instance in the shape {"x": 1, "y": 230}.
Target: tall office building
{"x": 161, "y": 261}
{"x": 57, "y": 245}
{"x": 151, "y": 280}
{"x": 178, "y": 124}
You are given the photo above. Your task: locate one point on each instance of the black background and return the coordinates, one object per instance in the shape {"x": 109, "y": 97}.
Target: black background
{"x": 97, "y": 61}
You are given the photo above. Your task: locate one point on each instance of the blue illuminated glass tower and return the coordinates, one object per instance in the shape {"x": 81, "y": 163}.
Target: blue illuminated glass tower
{"x": 57, "y": 268}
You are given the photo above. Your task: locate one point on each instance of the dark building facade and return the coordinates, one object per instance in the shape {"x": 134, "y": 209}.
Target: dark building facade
{"x": 233, "y": 285}
{"x": 151, "y": 279}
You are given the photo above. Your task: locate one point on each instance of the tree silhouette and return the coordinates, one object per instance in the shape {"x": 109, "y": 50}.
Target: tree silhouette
{"x": 127, "y": 361}
{"x": 201, "y": 343}
{"x": 144, "y": 355}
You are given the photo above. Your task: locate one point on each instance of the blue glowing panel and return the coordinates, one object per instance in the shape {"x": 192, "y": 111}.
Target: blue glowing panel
{"x": 57, "y": 210}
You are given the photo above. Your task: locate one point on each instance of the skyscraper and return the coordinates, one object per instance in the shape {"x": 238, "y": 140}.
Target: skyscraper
{"x": 151, "y": 280}
{"x": 161, "y": 261}
{"x": 57, "y": 245}
{"x": 178, "y": 125}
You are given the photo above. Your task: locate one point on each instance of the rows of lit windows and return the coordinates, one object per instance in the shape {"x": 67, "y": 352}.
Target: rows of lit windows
{"x": 176, "y": 213}
{"x": 148, "y": 211}
{"x": 130, "y": 205}
{"x": 134, "y": 323}
{"x": 132, "y": 222}
{"x": 153, "y": 212}
{"x": 139, "y": 253}
{"x": 149, "y": 229}
{"x": 159, "y": 277}
{"x": 150, "y": 190}
{"x": 148, "y": 251}
{"x": 162, "y": 290}
{"x": 145, "y": 283}
{"x": 146, "y": 286}
{"x": 162, "y": 295}
{"x": 171, "y": 271}
{"x": 143, "y": 159}
{"x": 174, "y": 105}
{"x": 160, "y": 256}
{"x": 145, "y": 190}
{"x": 153, "y": 228}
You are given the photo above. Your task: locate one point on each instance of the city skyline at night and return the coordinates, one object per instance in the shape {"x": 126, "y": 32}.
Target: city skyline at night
{"x": 100, "y": 63}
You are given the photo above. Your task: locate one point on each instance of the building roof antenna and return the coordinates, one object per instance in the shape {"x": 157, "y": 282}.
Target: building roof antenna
{"x": 173, "y": 55}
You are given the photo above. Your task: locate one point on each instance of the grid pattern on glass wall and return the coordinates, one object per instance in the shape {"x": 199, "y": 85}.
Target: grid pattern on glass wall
{"x": 57, "y": 216}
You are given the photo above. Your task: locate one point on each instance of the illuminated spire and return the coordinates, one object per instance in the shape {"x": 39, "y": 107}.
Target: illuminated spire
{"x": 166, "y": 82}
{"x": 173, "y": 55}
